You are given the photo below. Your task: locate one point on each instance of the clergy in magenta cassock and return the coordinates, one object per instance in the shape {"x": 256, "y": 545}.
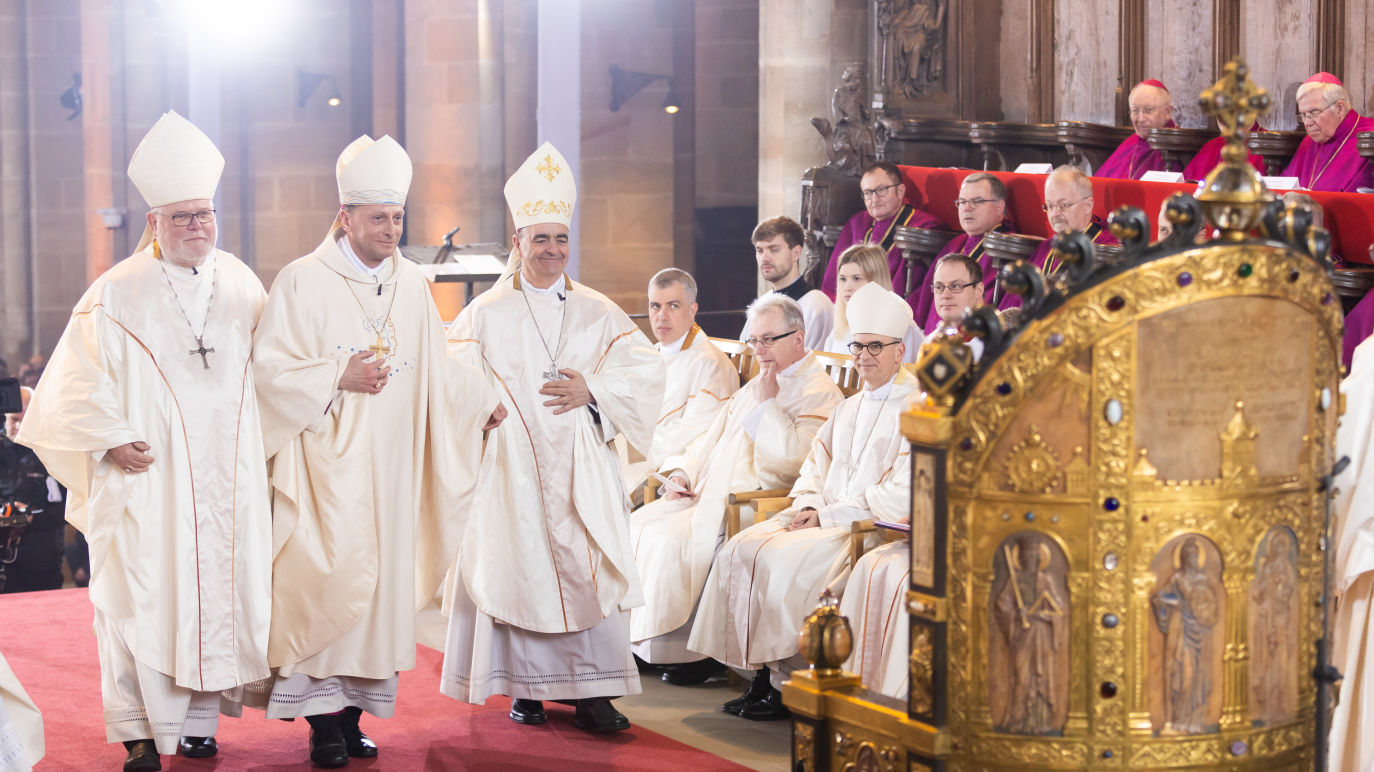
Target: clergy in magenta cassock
{"x": 982, "y": 206}
{"x": 1151, "y": 108}
{"x": 146, "y": 413}
{"x": 1328, "y": 158}
{"x": 1209, "y": 156}
{"x": 885, "y": 209}
{"x": 758, "y": 442}
{"x": 373, "y": 435}
{"x": 1068, "y": 207}
{"x": 766, "y": 579}
{"x": 539, "y": 606}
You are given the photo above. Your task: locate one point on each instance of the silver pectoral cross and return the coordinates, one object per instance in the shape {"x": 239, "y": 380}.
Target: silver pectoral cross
{"x": 202, "y": 350}
{"x": 552, "y": 373}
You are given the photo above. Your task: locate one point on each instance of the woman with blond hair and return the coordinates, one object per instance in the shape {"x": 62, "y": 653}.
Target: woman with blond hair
{"x": 859, "y": 265}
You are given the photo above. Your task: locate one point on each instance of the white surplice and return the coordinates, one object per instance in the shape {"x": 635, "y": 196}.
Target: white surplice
{"x": 699, "y": 379}
{"x": 180, "y": 553}
{"x": 874, "y": 603}
{"x": 753, "y": 444}
{"x": 21, "y": 725}
{"x": 766, "y": 579}
{"x": 365, "y": 486}
{"x": 545, "y": 572}
{"x": 1352, "y": 743}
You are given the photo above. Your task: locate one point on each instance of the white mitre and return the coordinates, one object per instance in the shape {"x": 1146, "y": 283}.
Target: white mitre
{"x": 542, "y": 190}
{"x": 875, "y": 311}
{"x": 174, "y": 162}
{"x": 372, "y": 172}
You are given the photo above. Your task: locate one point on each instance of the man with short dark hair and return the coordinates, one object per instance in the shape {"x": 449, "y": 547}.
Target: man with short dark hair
{"x": 778, "y": 250}
{"x": 958, "y": 289}
{"x": 885, "y": 208}
{"x": 982, "y": 206}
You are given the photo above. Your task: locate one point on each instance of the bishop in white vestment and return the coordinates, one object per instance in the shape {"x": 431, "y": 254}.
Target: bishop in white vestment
{"x": 373, "y": 434}
{"x": 699, "y": 376}
{"x": 767, "y": 578}
{"x": 146, "y": 413}
{"x": 758, "y": 442}
{"x": 546, "y": 575}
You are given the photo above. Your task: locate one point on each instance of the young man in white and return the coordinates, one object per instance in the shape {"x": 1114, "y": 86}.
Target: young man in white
{"x": 767, "y": 578}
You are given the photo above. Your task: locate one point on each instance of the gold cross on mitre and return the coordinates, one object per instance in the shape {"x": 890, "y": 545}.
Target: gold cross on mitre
{"x": 548, "y": 168}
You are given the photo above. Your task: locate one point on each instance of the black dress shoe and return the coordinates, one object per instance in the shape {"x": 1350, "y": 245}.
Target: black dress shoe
{"x": 599, "y": 716}
{"x": 770, "y": 708}
{"x": 693, "y": 673}
{"x": 645, "y": 668}
{"x": 359, "y": 745}
{"x": 757, "y": 691}
{"x": 142, "y": 756}
{"x": 327, "y": 747}
{"x": 528, "y": 712}
{"x": 197, "y": 747}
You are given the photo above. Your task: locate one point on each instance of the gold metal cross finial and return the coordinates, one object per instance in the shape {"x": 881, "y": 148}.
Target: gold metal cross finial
{"x": 379, "y": 348}
{"x": 548, "y": 168}
{"x": 1236, "y": 102}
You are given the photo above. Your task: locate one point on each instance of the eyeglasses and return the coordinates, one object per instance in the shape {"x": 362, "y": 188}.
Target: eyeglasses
{"x": 938, "y": 289}
{"x": 874, "y": 349}
{"x": 878, "y": 192}
{"x": 1063, "y": 206}
{"x": 767, "y": 341}
{"x": 182, "y": 219}
{"x": 1147, "y": 111}
{"x": 1311, "y": 115}
{"x": 960, "y": 203}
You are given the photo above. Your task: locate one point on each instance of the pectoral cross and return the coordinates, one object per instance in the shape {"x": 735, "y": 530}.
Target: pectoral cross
{"x": 379, "y": 348}
{"x": 202, "y": 350}
{"x": 552, "y": 373}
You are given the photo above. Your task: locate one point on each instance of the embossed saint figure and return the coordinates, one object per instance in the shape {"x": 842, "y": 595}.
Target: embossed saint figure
{"x": 1273, "y": 685}
{"x": 918, "y": 30}
{"x": 1031, "y": 612}
{"x": 1187, "y": 608}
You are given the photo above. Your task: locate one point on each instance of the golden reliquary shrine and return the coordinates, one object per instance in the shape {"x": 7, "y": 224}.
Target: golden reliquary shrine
{"x": 1118, "y": 513}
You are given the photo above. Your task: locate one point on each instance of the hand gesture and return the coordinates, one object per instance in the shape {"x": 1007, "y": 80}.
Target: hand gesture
{"x": 132, "y": 457}
{"x": 497, "y": 416}
{"x": 768, "y": 381}
{"x": 807, "y": 518}
{"x": 568, "y": 394}
{"x": 670, "y": 494}
{"x": 363, "y": 377}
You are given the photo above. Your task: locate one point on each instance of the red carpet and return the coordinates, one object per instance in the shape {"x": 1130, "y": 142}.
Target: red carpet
{"x": 47, "y": 639}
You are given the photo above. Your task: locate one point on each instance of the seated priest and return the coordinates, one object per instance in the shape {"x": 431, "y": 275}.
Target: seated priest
{"x": 874, "y": 602}
{"x": 958, "y": 289}
{"x": 757, "y": 442}
{"x": 885, "y": 208}
{"x": 700, "y": 377}
{"x": 1069, "y": 207}
{"x": 778, "y": 251}
{"x": 1328, "y": 158}
{"x": 1209, "y": 155}
{"x": 1151, "y": 108}
{"x": 982, "y": 206}
{"x": 767, "y": 578}
{"x": 862, "y": 264}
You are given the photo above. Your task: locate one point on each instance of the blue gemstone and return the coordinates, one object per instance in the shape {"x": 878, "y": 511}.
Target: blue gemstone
{"x": 1238, "y": 748}
{"x": 1107, "y": 754}
{"x": 966, "y": 443}
{"x": 1056, "y": 340}
{"x": 1030, "y": 516}
{"x": 1111, "y": 504}
{"x": 1004, "y": 388}
{"x": 1110, "y": 620}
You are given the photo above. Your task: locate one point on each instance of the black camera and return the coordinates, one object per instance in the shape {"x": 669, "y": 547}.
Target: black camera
{"x": 10, "y": 401}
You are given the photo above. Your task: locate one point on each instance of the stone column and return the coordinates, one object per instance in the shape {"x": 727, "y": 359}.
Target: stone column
{"x": 16, "y": 290}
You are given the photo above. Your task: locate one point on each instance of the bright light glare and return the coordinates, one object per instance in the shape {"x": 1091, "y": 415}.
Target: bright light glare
{"x": 231, "y": 27}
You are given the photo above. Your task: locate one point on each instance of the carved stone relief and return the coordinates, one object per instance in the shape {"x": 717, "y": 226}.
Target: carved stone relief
{"x": 1273, "y": 640}
{"x": 1188, "y": 613}
{"x": 849, "y": 141}
{"x": 1028, "y": 649}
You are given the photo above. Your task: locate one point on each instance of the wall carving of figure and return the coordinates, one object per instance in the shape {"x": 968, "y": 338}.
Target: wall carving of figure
{"x": 1188, "y": 607}
{"x": 849, "y": 140}
{"x": 1028, "y": 652}
{"x": 919, "y": 32}
{"x": 1274, "y": 629}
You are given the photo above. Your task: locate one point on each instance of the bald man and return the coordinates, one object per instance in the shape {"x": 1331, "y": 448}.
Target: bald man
{"x": 1068, "y": 207}
{"x": 1151, "y": 108}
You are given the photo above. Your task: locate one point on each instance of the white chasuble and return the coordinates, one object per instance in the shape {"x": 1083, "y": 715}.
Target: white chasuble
{"x": 766, "y": 579}
{"x": 365, "y": 487}
{"x": 675, "y": 540}
{"x": 1352, "y": 744}
{"x": 874, "y": 602}
{"x": 545, "y": 568}
{"x": 180, "y": 560}
{"x": 21, "y": 725}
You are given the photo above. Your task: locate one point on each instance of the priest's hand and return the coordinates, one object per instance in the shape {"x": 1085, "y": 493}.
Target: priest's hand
{"x": 497, "y": 416}
{"x": 363, "y": 377}
{"x": 132, "y": 457}
{"x": 807, "y": 518}
{"x": 768, "y": 381}
{"x": 670, "y": 494}
{"x": 568, "y": 394}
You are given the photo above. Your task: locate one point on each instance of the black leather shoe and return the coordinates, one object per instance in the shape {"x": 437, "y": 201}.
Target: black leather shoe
{"x": 197, "y": 747}
{"x": 528, "y": 712}
{"x": 599, "y": 716}
{"x": 770, "y": 708}
{"x": 142, "y": 756}
{"x": 645, "y": 668}
{"x": 693, "y": 673}
{"x": 326, "y": 742}
{"x": 359, "y": 745}
{"x": 757, "y": 691}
